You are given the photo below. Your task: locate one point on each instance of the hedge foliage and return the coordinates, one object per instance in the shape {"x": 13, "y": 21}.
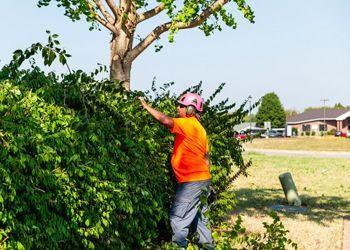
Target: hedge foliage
{"x": 75, "y": 180}
{"x": 82, "y": 165}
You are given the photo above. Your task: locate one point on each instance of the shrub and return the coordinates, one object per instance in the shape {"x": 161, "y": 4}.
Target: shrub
{"x": 294, "y": 131}
{"x": 331, "y": 132}
{"x": 83, "y": 166}
{"x": 71, "y": 180}
{"x": 235, "y": 236}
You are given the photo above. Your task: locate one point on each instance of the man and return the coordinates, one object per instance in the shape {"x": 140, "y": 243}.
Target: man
{"x": 190, "y": 163}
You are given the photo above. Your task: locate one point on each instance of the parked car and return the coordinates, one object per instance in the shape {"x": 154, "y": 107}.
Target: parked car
{"x": 241, "y": 136}
{"x": 348, "y": 134}
{"x": 337, "y": 133}
{"x": 272, "y": 134}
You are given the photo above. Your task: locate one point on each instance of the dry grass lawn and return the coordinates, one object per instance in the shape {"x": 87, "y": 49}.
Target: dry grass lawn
{"x": 323, "y": 185}
{"x": 309, "y": 143}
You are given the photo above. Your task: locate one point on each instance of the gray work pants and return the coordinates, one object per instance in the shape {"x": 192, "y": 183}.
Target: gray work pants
{"x": 188, "y": 211}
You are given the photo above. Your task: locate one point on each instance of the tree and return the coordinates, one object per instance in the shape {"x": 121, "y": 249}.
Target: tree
{"x": 271, "y": 110}
{"x": 290, "y": 113}
{"x": 123, "y": 19}
{"x": 250, "y": 118}
{"x": 339, "y": 106}
{"x": 336, "y": 106}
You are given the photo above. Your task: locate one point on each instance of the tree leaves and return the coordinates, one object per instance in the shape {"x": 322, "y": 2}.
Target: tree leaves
{"x": 271, "y": 110}
{"x": 49, "y": 53}
{"x": 83, "y": 165}
{"x": 75, "y": 169}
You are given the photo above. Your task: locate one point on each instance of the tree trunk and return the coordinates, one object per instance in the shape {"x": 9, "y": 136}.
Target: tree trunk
{"x": 120, "y": 65}
{"x": 120, "y": 70}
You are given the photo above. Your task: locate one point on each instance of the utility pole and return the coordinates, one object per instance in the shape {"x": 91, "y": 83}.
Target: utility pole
{"x": 250, "y": 118}
{"x": 324, "y": 100}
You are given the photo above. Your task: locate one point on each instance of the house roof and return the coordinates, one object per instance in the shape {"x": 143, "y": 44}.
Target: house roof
{"x": 320, "y": 114}
{"x": 244, "y": 126}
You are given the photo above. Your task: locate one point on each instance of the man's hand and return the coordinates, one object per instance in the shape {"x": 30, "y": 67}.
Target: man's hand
{"x": 159, "y": 116}
{"x": 143, "y": 102}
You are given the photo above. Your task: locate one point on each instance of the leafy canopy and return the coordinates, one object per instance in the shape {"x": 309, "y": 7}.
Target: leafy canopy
{"x": 180, "y": 14}
{"x": 123, "y": 17}
{"x": 271, "y": 110}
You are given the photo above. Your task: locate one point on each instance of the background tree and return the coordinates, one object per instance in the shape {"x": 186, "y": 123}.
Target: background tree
{"x": 290, "y": 113}
{"x": 314, "y": 108}
{"x": 339, "y": 106}
{"x": 250, "y": 118}
{"x": 123, "y": 17}
{"x": 271, "y": 110}
{"x": 336, "y": 106}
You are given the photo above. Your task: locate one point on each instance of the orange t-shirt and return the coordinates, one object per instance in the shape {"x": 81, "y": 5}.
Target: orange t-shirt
{"x": 190, "y": 147}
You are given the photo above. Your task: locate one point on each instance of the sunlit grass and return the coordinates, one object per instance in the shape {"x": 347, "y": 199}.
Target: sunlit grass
{"x": 310, "y": 143}
{"x": 323, "y": 185}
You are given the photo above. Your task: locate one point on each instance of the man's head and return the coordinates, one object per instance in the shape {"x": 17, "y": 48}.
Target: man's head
{"x": 190, "y": 104}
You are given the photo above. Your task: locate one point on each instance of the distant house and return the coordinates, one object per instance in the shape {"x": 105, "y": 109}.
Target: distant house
{"x": 314, "y": 120}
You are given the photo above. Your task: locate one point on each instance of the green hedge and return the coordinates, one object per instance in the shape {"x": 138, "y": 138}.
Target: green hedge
{"x": 83, "y": 166}
{"x": 79, "y": 181}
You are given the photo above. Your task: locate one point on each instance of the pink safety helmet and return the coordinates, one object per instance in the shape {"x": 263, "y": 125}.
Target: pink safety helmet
{"x": 192, "y": 99}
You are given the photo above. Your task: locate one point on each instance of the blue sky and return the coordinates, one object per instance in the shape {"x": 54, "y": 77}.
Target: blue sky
{"x": 298, "y": 49}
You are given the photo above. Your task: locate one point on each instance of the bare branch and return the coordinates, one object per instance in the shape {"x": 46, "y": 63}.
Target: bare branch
{"x": 106, "y": 24}
{"x": 148, "y": 40}
{"x": 111, "y": 4}
{"x": 155, "y": 34}
{"x": 101, "y": 20}
{"x": 39, "y": 189}
{"x": 151, "y": 13}
{"x": 104, "y": 12}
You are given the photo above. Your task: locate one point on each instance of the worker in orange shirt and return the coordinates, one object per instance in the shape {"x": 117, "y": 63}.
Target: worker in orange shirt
{"x": 190, "y": 163}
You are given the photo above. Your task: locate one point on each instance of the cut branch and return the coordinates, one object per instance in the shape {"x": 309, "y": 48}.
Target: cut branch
{"x": 155, "y": 34}
{"x": 151, "y": 13}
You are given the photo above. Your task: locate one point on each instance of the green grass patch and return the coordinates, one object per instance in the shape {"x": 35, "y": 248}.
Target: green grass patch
{"x": 323, "y": 185}
{"x": 309, "y": 143}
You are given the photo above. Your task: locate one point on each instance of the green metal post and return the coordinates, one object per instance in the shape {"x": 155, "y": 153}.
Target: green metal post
{"x": 289, "y": 189}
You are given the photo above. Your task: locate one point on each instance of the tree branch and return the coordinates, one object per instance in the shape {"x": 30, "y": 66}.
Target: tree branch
{"x": 151, "y": 13}
{"x": 155, "y": 34}
{"x": 101, "y": 20}
{"x": 202, "y": 17}
{"x": 106, "y": 24}
{"x": 128, "y": 17}
{"x": 113, "y": 7}
{"x": 148, "y": 40}
{"x": 104, "y": 12}
{"x": 125, "y": 8}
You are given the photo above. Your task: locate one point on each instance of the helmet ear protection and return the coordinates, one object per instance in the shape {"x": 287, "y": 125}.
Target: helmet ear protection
{"x": 190, "y": 110}
{"x": 192, "y": 99}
